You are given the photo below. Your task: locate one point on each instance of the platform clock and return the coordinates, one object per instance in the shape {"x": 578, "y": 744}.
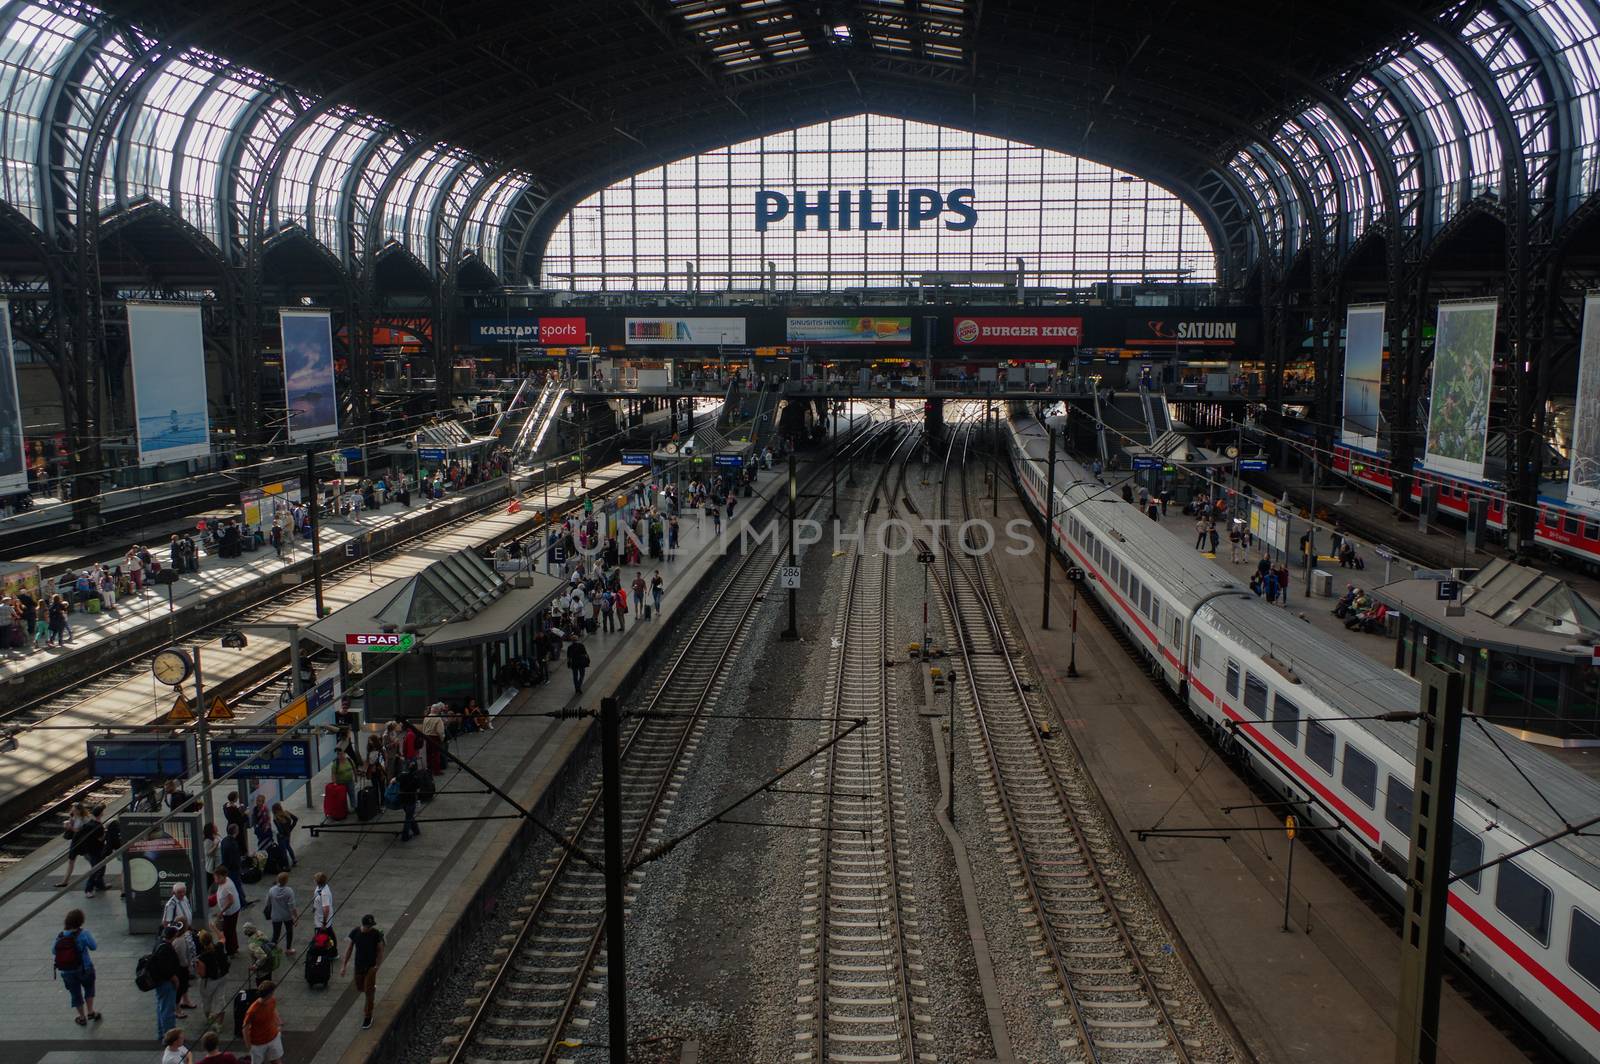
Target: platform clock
{"x": 172, "y": 666}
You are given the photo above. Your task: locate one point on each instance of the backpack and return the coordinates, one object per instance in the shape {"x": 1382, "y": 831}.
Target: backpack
{"x": 69, "y": 956}
{"x": 143, "y": 976}
{"x": 216, "y": 964}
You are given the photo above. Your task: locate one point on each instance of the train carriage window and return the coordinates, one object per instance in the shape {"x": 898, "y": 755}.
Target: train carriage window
{"x": 1134, "y": 588}
{"x": 1124, "y": 574}
{"x": 1255, "y": 695}
{"x": 1320, "y": 745}
{"x": 1397, "y": 804}
{"x": 1524, "y": 900}
{"x": 1144, "y": 601}
{"x": 1591, "y": 530}
{"x": 1360, "y": 776}
{"x": 1569, "y": 525}
{"x": 1583, "y": 947}
{"x": 1466, "y": 851}
{"x": 1286, "y": 719}
{"x": 1155, "y": 611}
{"x": 1233, "y": 678}
{"x": 1194, "y": 651}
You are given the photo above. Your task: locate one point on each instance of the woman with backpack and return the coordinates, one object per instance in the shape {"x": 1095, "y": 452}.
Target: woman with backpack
{"x": 71, "y": 951}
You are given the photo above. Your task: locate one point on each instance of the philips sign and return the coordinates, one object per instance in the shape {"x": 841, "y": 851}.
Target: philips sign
{"x": 862, "y": 209}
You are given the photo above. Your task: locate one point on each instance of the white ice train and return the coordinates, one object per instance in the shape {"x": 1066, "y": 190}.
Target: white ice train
{"x": 1529, "y": 926}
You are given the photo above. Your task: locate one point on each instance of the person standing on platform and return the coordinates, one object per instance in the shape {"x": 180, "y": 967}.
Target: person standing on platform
{"x": 1213, "y": 535}
{"x": 262, "y": 1029}
{"x": 178, "y": 909}
{"x": 163, "y": 971}
{"x": 72, "y": 961}
{"x": 176, "y": 1052}
{"x": 1200, "y": 533}
{"x": 213, "y": 1055}
{"x": 622, "y": 606}
{"x": 578, "y": 662}
{"x": 92, "y": 845}
{"x": 226, "y": 909}
{"x": 410, "y": 789}
{"x": 280, "y": 910}
{"x": 366, "y": 946}
{"x": 211, "y": 966}
{"x": 232, "y": 854}
{"x": 638, "y": 591}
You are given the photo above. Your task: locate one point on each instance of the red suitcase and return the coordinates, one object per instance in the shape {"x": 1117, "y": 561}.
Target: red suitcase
{"x": 335, "y": 801}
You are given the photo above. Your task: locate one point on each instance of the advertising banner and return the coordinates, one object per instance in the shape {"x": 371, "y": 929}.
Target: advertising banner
{"x": 1018, "y": 332}
{"x": 308, "y": 388}
{"x": 1177, "y": 332}
{"x": 13, "y": 456}
{"x": 169, "y": 381}
{"x": 529, "y": 329}
{"x": 1363, "y": 374}
{"x": 681, "y": 331}
{"x": 1463, "y": 365}
{"x": 1583, "y": 480}
{"x": 849, "y": 330}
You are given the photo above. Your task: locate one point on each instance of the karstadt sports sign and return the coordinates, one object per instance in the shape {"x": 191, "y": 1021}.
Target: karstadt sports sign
{"x": 1018, "y": 332}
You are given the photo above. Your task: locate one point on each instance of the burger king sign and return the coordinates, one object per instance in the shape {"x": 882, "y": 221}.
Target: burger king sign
{"x": 1019, "y": 332}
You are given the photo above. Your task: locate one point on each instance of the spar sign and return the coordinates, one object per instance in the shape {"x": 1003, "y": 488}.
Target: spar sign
{"x": 380, "y": 642}
{"x": 1018, "y": 332}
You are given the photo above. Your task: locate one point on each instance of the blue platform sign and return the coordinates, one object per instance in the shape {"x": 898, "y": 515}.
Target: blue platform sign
{"x": 291, "y": 760}
{"x": 352, "y": 453}
{"x": 729, "y": 461}
{"x": 1252, "y": 465}
{"x": 1147, "y": 463}
{"x": 139, "y": 759}
{"x": 431, "y": 454}
{"x": 640, "y": 458}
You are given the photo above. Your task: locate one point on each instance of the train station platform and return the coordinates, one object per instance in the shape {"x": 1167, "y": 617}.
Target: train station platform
{"x": 423, "y": 893}
{"x": 113, "y": 631}
{"x": 1323, "y": 992}
{"x": 53, "y": 754}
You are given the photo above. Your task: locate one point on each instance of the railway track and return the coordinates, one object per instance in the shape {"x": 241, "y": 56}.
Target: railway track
{"x": 863, "y": 982}
{"x": 1124, "y": 994}
{"x": 530, "y": 1000}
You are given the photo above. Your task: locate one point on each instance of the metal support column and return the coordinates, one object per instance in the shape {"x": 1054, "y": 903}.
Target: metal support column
{"x": 616, "y": 880}
{"x": 793, "y": 631}
{"x": 316, "y": 526}
{"x": 1422, "y": 937}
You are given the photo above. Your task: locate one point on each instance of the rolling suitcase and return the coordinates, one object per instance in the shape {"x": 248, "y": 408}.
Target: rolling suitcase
{"x": 367, "y": 804}
{"x": 241, "y": 1004}
{"x": 319, "y": 959}
{"x": 335, "y": 801}
{"x": 425, "y": 786}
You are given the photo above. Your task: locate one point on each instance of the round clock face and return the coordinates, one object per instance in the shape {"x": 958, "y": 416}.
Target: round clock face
{"x": 171, "y": 667}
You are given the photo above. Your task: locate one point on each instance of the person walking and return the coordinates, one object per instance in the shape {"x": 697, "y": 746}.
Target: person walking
{"x": 262, "y": 1028}
{"x": 622, "y": 606}
{"x": 226, "y": 910}
{"x": 578, "y": 662}
{"x": 608, "y": 607}
{"x": 657, "y": 588}
{"x": 322, "y": 903}
{"x": 283, "y": 825}
{"x": 366, "y": 946}
{"x": 410, "y": 784}
{"x": 281, "y": 911}
{"x": 72, "y": 961}
{"x": 211, "y": 968}
{"x": 638, "y": 591}
{"x": 163, "y": 970}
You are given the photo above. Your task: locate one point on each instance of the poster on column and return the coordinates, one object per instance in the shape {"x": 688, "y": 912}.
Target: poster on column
{"x": 1583, "y": 479}
{"x": 1463, "y": 365}
{"x": 1363, "y": 374}
{"x": 308, "y": 387}
{"x": 13, "y": 456}
{"x": 169, "y": 381}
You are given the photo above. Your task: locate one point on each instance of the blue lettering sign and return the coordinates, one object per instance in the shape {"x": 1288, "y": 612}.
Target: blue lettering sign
{"x": 850, "y": 209}
{"x": 289, "y": 760}
{"x": 636, "y": 458}
{"x": 1253, "y": 465}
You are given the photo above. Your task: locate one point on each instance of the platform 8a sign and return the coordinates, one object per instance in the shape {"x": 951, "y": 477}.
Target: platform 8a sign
{"x": 380, "y": 642}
